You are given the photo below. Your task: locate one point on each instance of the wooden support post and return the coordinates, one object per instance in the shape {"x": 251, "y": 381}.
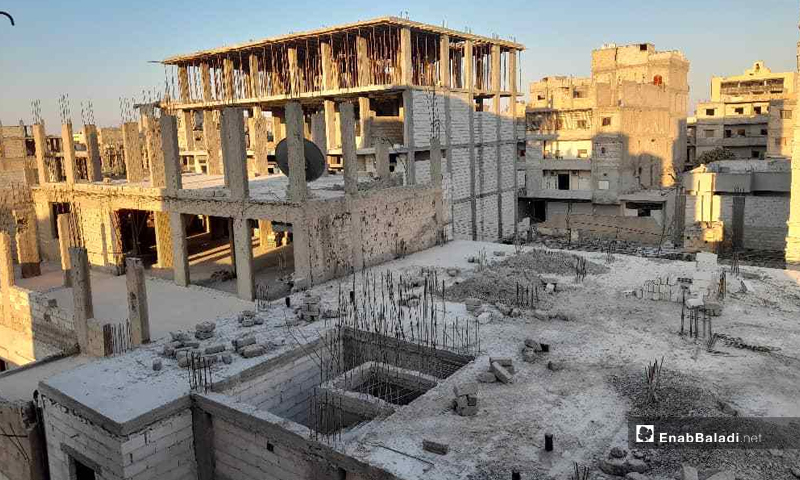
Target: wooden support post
{"x": 294, "y": 71}
{"x": 329, "y": 80}
{"x": 183, "y": 84}
{"x": 227, "y": 78}
{"x": 205, "y": 79}
{"x": 363, "y": 62}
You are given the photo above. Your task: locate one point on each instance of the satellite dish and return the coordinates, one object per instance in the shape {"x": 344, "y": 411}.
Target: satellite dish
{"x": 315, "y": 160}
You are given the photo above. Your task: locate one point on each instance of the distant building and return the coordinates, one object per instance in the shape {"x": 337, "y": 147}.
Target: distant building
{"x": 748, "y": 114}
{"x": 608, "y": 145}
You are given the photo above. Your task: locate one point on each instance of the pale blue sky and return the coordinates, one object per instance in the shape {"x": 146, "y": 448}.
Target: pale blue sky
{"x": 98, "y": 50}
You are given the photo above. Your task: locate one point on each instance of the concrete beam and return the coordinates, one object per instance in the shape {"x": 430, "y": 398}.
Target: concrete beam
{"x": 138, "y": 317}
{"x": 298, "y": 191}
{"x": 82, "y": 307}
{"x": 132, "y": 146}
{"x": 171, "y": 155}
{"x": 94, "y": 165}
{"x": 68, "y": 148}
{"x": 40, "y": 141}
{"x": 243, "y": 254}
{"x": 349, "y": 157}
{"x": 234, "y": 152}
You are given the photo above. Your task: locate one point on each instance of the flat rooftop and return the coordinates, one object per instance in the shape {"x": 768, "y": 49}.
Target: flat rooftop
{"x": 601, "y": 338}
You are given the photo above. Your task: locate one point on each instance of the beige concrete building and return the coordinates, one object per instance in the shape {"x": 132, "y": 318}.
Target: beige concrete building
{"x": 748, "y": 114}
{"x": 608, "y": 145}
{"x": 793, "y": 235}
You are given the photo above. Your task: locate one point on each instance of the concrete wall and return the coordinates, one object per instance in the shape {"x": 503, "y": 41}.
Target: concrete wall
{"x": 22, "y": 457}
{"x": 163, "y": 450}
{"x": 765, "y": 218}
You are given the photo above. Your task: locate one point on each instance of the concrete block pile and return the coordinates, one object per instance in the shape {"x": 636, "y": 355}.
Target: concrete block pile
{"x": 309, "y": 310}
{"x": 500, "y": 369}
{"x": 248, "y": 318}
{"x": 247, "y": 347}
{"x": 466, "y": 401}
{"x": 204, "y": 330}
{"x": 531, "y": 350}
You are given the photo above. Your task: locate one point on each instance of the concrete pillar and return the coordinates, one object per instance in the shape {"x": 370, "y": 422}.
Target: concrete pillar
{"x": 331, "y": 128}
{"x": 793, "y": 235}
{"x": 155, "y": 155}
{"x": 278, "y": 125}
{"x": 170, "y": 154}
{"x": 349, "y": 157}
{"x": 382, "y": 158}
{"x": 227, "y": 78}
{"x": 164, "y": 250}
{"x": 329, "y": 78}
{"x": 406, "y": 71}
{"x": 82, "y": 308}
{"x": 436, "y": 180}
{"x": 243, "y": 245}
{"x": 64, "y": 244}
{"x": 234, "y": 152}
{"x": 512, "y": 87}
{"x": 319, "y": 135}
{"x": 495, "y": 78}
{"x": 187, "y": 119}
{"x": 365, "y": 122}
{"x": 132, "y": 145}
{"x": 27, "y": 244}
{"x": 298, "y": 191}
{"x": 211, "y": 135}
{"x": 255, "y": 79}
{"x": 203, "y": 437}
{"x": 259, "y": 142}
{"x": 68, "y": 149}
{"x": 294, "y": 71}
{"x": 40, "y": 140}
{"x": 6, "y": 274}
{"x": 444, "y": 61}
{"x": 183, "y": 84}
{"x": 138, "y": 317}
{"x": 205, "y": 80}
{"x": 408, "y": 136}
{"x": 266, "y": 236}
{"x": 94, "y": 165}
{"x": 180, "y": 250}
{"x": 363, "y": 62}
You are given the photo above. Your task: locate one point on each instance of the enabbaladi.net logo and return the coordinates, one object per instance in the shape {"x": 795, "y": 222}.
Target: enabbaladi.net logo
{"x": 715, "y": 432}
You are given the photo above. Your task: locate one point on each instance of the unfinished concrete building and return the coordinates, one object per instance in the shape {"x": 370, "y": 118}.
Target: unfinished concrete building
{"x": 750, "y": 115}
{"x": 608, "y": 146}
{"x": 410, "y": 82}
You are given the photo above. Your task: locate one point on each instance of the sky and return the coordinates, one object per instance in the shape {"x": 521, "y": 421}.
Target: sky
{"x": 99, "y": 51}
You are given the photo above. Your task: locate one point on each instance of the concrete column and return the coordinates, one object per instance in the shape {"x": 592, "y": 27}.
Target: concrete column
{"x": 94, "y": 165}
{"x": 227, "y": 78}
{"x": 64, "y": 244}
{"x": 183, "y": 84}
{"x": 155, "y": 155}
{"x": 363, "y": 62}
{"x": 243, "y": 244}
{"x": 382, "y": 158}
{"x": 138, "y": 317}
{"x": 132, "y": 145}
{"x": 319, "y": 135}
{"x": 180, "y": 250}
{"x": 164, "y": 250}
{"x": 349, "y": 157}
{"x": 512, "y": 86}
{"x": 255, "y": 79}
{"x": 27, "y": 244}
{"x": 203, "y": 436}
{"x": 259, "y": 141}
{"x": 211, "y": 135}
{"x": 40, "y": 140}
{"x": 205, "y": 80}
{"x": 329, "y": 79}
{"x": 298, "y": 191}
{"x": 6, "y": 274}
{"x": 365, "y": 122}
{"x": 469, "y": 85}
{"x": 436, "y": 180}
{"x": 266, "y": 236}
{"x": 234, "y": 152}
{"x": 82, "y": 307}
{"x": 444, "y": 61}
{"x": 406, "y": 71}
{"x": 68, "y": 149}
{"x": 331, "y": 128}
{"x": 187, "y": 119}
{"x": 171, "y": 157}
{"x": 793, "y": 235}
{"x": 278, "y": 125}
{"x": 294, "y": 71}
{"x": 408, "y": 136}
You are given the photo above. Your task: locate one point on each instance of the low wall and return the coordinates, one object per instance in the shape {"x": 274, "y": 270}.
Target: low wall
{"x": 644, "y": 230}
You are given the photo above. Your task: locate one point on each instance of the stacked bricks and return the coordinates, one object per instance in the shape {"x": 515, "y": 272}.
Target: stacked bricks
{"x": 502, "y": 368}
{"x": 204, "y": 330}
{"x": 466, "y": 401}
{"x": 247, "y": 347}
{"x": 248, "y": 318}
{"x": 309, "y": 311}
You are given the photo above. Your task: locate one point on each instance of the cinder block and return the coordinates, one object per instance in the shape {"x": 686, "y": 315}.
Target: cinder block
{"x": 501, "y": 373}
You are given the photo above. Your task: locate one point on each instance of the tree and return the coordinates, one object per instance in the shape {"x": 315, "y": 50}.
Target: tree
{"x": 719, "y": 153}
